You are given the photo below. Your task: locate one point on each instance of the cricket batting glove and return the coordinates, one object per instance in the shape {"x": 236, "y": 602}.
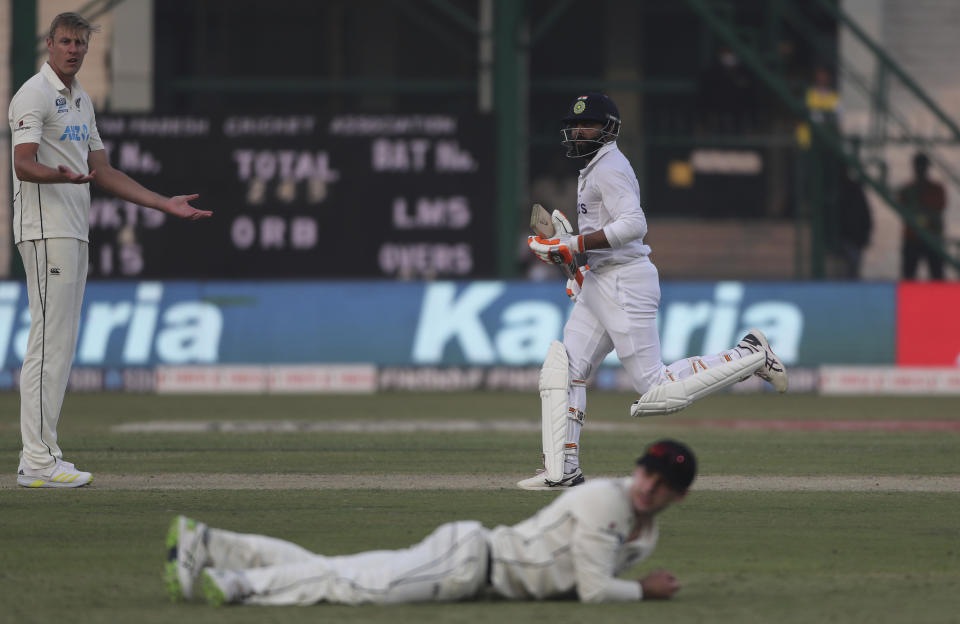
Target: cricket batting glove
{"x": 560, "y": 250}
{"x": 576, "y": 282}
{"x": 561, "y": 225}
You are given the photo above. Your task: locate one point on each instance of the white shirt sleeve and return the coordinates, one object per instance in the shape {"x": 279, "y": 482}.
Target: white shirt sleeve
{"x": 26, "y": 116}
{"x": 604, "y": 520}
{"x": 594, "y": 555}
{"x": 622, "y": 201}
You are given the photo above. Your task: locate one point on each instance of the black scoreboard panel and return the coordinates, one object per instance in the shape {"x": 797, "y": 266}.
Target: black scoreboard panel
{"x": 300, "y": 196}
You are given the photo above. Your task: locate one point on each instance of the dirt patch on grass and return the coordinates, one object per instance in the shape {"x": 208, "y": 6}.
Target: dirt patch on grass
{"x": 732, "y": 483}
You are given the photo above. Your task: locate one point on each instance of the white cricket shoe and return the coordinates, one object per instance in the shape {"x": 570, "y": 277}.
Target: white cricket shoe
{"x": 773, "y": 369}
{"x": 540, "y": 481}
{"x": 66, "y": 464}
{"x": 186, "y": 556}
{"x": 62, "y": 474}
{"x": 222, "y": 587}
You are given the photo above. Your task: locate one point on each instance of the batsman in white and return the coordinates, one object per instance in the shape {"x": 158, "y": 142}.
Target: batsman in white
{"x": 57, "y": 152}
{"x": 575, "y": 546}
{"x": 617, "y": 294}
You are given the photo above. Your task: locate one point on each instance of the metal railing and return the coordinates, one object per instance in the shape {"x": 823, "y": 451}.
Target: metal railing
{"x": 829, "y": 136}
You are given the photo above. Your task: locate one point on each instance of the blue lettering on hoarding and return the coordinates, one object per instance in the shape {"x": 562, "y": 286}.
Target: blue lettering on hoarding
{"x": 723, "y": 324}
{"x": 807, "y": 324}
{"x": 527, "y": 327}
{"x": 523, "y": 335}
{"x": 179, "y": 333}
{"x": 445, "y": 317}
{"x": 527, "y": 330}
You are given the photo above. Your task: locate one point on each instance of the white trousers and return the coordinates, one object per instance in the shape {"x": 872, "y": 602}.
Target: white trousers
{"x": 56, "y": 271}
{"x": 617, "y": 309}
{"x": 449, "y": 564}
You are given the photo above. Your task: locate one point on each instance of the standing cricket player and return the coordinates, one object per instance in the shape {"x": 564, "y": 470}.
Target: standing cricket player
{"x": 575, "y": 546}
{"x": 617, "y": 294}
{"x": 56, "y": 152}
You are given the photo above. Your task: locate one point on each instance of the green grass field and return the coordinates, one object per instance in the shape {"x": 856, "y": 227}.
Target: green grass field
{"x": 95, "y": 555}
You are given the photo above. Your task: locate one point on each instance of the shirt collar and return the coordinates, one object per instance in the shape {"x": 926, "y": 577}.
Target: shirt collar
{"x": 609, "y": 147}
{"x": 54, "y": 79}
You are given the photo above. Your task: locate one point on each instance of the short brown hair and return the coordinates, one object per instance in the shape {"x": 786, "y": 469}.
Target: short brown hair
{"x": 73, "y": 22}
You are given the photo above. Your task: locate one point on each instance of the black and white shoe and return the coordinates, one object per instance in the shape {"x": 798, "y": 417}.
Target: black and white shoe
{"x": 540, "y": 481}
{"x": 773, "y": 369}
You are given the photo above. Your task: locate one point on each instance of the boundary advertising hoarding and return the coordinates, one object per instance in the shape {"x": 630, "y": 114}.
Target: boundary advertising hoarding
{"x": 440, "y": 324}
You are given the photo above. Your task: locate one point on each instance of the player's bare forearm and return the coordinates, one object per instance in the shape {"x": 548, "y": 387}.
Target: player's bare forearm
{"x": 32, "y": 171}
{"x": 121, "y": 185}
{"x": 28, "y": 169}
{"x": 596, "y": 240}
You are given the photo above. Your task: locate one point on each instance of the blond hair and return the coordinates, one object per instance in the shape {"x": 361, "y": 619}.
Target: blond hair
{"x": 73, "y": 22}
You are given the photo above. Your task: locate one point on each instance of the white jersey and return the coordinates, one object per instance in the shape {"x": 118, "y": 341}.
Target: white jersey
{"x": 608, "y": 198}
{"x": 61, "y": 121}
{"x": 578, "y": 543}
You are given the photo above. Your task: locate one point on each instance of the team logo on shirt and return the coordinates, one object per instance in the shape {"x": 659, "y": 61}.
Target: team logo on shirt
{"x": 20, "y": 127}
{"x": 54, "y": 270}
{"x": 76, "y": 133}
{"x": 61, "y": 104}
{"x": 77, "y": 104}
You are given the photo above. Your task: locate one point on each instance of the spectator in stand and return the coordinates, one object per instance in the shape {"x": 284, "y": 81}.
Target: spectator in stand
{"x": 854, "y": 224}
{"x": 927, "y": 200}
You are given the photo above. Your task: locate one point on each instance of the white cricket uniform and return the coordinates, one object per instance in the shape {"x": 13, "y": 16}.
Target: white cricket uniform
{"x": 61, "y": 121}
{"x": 574, "y": 546}
{"x": 51, "y": 229}
{"x": 449, "y": 564}
{"x": 617, "y": 305}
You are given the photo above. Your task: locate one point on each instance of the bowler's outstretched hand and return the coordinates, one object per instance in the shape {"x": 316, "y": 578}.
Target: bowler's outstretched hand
{"x": 179, "y": 206}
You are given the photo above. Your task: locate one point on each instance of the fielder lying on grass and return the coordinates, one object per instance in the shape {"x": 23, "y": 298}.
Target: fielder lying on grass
{"x": 575, "y": 546}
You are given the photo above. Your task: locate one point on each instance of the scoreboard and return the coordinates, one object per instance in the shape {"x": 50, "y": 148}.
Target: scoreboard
{"x": 300, "y": 196}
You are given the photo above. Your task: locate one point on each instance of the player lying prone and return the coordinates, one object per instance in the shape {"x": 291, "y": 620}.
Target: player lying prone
{"x": 576, "y": 545}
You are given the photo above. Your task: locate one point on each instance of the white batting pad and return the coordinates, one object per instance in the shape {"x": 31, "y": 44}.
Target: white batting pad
{"x": 554, "y": 384}
{"x": 673, "y": 396}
